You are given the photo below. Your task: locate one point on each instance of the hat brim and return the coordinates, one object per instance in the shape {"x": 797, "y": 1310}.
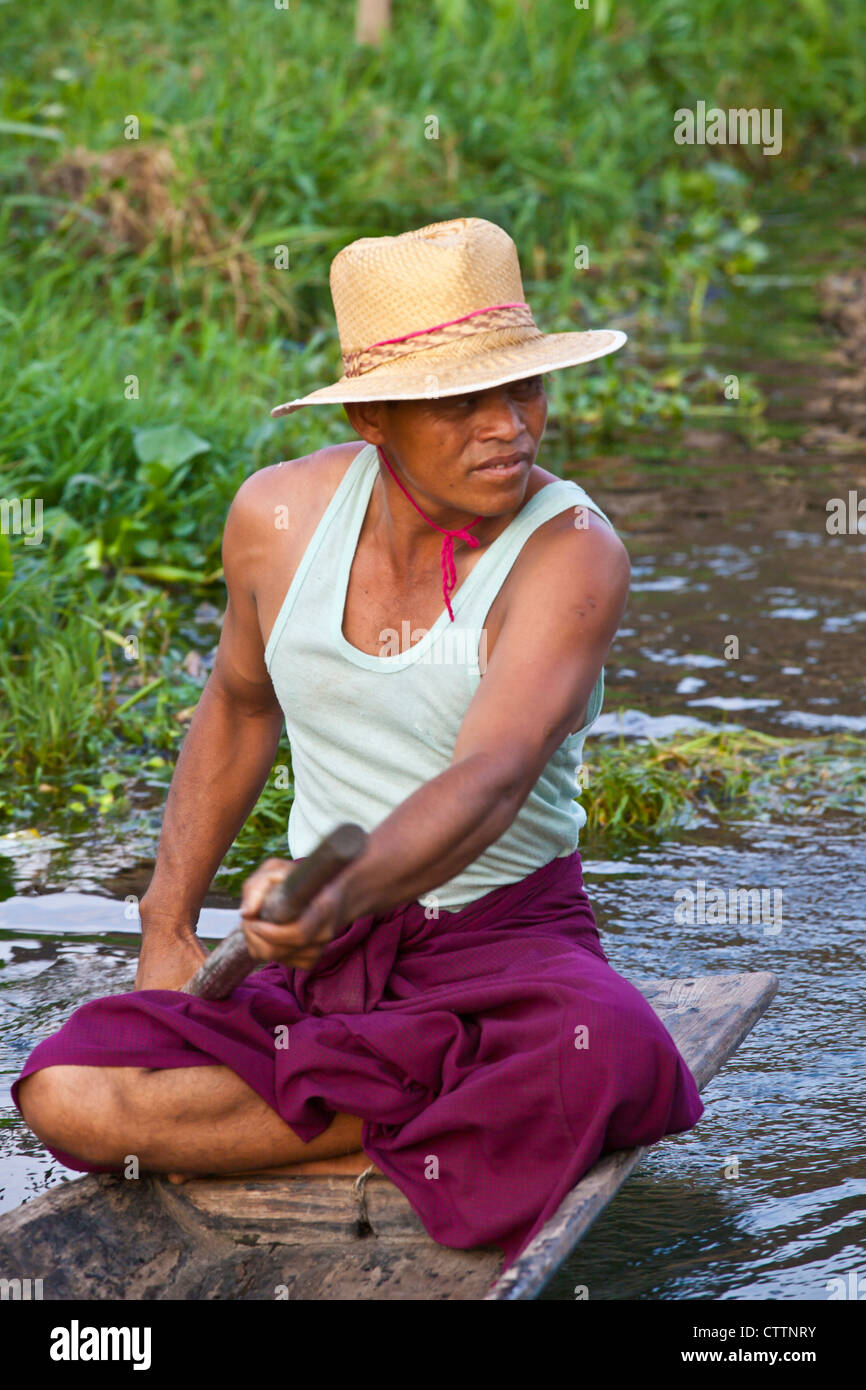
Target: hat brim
{"x": 547, "y": 353}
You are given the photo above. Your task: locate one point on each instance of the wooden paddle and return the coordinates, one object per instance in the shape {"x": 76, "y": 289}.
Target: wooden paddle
{"x": 231, "y": 961}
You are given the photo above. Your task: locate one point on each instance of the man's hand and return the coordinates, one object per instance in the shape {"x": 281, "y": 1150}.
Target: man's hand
{"x": 167, "y": 960}
{"x": 297, "y": 944}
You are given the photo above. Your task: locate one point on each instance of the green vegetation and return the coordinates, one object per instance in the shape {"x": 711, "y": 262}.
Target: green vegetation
{"x": 641, "y": 792}
{"x": 145, "y": 332}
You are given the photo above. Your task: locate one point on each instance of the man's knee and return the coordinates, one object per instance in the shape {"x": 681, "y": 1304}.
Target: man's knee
{"x": 38, "y": 1096}
{"x": 78, "y": 1110}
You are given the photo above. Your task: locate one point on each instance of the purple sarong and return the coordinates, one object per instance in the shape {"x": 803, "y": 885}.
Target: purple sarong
{"x": 492, "y": 1053}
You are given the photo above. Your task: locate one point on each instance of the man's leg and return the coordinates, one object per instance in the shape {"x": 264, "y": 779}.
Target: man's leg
{"x": 177, "y": 1120}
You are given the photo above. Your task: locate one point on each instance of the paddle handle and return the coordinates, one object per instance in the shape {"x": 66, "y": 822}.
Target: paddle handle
{"x": 231, "y": 961}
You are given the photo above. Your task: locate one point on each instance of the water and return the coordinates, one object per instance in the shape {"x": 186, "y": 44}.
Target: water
{"x": 58, "y": 951}
{"x": 791, "y": 599}
{"x": 788, "y": 1106}
{"x": 764, "y": 1199}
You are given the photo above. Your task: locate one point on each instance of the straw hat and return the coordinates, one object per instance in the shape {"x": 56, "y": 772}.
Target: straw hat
{"x": 439, "y": 312}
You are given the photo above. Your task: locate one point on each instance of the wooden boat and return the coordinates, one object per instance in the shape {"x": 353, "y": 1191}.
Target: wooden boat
{"x": 303, "y": 1237}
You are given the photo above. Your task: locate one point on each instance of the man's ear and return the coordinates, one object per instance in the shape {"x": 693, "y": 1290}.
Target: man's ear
{"x": 367, "y": 419}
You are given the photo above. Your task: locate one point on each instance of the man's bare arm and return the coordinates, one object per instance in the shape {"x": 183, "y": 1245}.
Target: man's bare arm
{"x": 562, "y": 617}
{"x": 224, "y": 762}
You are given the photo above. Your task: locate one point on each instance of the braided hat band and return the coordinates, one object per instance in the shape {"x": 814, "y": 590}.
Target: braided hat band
{"x": 478, "y": 321}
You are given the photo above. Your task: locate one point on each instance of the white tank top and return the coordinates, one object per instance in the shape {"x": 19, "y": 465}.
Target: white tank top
{"x": 366, "y": 731}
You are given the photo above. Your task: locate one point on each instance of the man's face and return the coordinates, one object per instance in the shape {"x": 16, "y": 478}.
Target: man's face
{"x": 441, "y": 444}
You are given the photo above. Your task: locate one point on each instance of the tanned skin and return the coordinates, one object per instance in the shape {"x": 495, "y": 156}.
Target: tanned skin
{"x": 548, "y": 633}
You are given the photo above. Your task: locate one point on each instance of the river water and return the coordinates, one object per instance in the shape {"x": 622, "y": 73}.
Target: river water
{"x": 765, "y": 1197}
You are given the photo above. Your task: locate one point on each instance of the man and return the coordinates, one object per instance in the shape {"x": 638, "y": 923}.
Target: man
{"x": 444, "y": 1006}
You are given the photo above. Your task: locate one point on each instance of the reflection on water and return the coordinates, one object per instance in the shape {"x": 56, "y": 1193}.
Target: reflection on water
{"x": 801, "y": 645}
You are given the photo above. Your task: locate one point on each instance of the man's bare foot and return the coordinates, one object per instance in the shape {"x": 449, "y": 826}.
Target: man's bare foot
{"x": 345, "y": 1165}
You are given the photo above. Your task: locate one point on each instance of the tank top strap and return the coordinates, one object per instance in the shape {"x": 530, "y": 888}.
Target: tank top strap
{"x": 347, "y": 506}
{"x": 548, "y": 502}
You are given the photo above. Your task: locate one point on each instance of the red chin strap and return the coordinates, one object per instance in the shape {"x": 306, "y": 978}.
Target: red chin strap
{"x": 449, "y": 573}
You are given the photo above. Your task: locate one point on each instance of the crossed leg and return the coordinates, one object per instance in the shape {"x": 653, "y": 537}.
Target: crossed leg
{"x": 180, "y": 1121}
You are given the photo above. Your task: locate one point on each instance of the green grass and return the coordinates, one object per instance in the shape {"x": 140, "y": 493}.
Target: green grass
{"x": 644, "y": 792}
